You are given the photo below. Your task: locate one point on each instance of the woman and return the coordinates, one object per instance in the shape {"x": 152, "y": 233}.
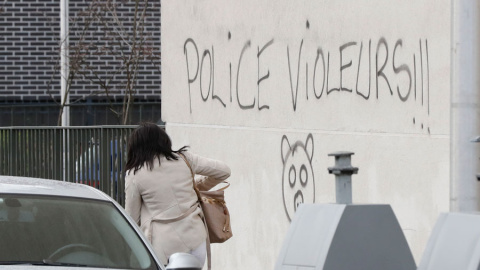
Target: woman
{"x": 160, "y": 195}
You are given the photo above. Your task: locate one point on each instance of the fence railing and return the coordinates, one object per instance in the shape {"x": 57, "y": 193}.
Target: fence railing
{"x": 93, "y": 155}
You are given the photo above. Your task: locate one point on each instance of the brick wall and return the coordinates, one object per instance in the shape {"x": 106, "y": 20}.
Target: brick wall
{"x": 29, "y": 52}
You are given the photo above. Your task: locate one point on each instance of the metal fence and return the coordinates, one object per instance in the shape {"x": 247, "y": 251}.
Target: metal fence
{"x": 93, "y": 155}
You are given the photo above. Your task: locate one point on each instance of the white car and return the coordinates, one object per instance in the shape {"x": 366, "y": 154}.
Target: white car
{"x": 59, "y": 225}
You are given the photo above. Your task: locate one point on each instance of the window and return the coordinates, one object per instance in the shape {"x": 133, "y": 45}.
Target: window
{"x": 59, "y": 230}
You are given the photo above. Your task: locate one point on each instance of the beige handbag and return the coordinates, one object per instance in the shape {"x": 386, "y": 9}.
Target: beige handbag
{"x": 216, "y": 214}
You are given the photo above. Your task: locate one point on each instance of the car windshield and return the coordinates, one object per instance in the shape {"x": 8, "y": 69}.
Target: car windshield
{"x": 68, "y": 231}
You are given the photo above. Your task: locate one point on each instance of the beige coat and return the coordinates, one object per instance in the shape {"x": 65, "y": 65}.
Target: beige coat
{"x": 166, "y": 192}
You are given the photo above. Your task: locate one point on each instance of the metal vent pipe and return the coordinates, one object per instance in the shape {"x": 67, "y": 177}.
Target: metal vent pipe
{"x": 343, "y": 171}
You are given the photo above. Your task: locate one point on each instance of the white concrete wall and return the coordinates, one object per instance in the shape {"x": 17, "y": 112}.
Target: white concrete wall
{"x": 249, "y": 81}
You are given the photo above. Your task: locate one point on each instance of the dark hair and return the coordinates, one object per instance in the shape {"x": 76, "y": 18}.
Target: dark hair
{"x": 147, "y": 142}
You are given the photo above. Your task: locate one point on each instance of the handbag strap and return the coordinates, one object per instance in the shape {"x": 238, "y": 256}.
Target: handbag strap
{"x": 209, "y": 253}
{"x": 225, "y": 187}
{"x": 193, "y": 176}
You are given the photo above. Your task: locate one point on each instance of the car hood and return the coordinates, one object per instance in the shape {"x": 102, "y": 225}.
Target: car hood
{"x": 45, "y": 267}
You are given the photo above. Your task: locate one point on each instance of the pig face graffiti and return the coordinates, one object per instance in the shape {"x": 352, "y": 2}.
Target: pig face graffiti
{"x": 298, "y": 183}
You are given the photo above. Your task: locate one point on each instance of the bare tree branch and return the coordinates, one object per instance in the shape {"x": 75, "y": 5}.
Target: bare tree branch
{"x": 99, "y": 31}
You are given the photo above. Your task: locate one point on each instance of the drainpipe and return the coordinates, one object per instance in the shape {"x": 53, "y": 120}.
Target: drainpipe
{"x": 464, "y": 125}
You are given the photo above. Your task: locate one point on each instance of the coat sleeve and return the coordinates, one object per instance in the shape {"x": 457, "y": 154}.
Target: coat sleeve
{"x": 133, "y": 199}
{"x": 210, "y": 171}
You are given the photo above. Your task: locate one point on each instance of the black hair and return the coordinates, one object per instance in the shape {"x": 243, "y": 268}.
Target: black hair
{"x": 147, "y": 142}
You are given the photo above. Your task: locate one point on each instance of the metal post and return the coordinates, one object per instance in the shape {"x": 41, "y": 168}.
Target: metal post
{"x": 343, "y": 171}
{"x": 64, "y": 40}
{"x": 64, "y": 71}
{"x": 464, "y": 105}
